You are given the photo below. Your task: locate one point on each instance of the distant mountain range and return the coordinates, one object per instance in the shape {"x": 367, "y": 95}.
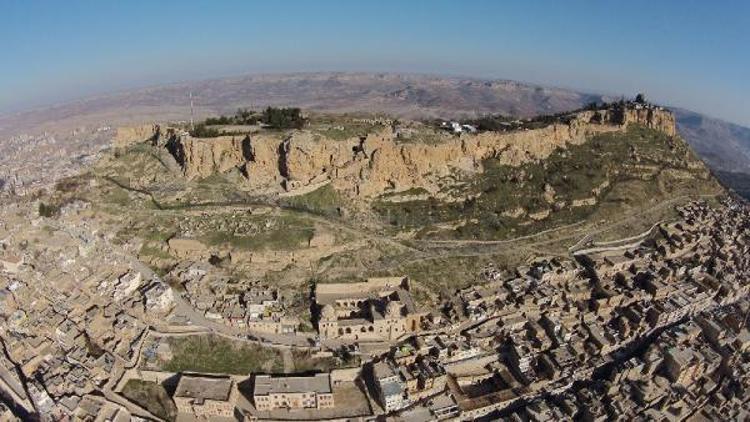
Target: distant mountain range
{"x": 724, "y": 146}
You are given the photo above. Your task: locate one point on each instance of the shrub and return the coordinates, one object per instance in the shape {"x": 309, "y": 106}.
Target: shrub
{"x": 201, "y": 131}
{"x": 491, "y": 123}
{"x": 48, "y": 211}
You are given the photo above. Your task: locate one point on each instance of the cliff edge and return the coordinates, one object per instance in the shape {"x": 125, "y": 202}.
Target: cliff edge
{"x": 384, "y": 161}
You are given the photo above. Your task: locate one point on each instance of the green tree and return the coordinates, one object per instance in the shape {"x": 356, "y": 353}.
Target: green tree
{"x": 283, "y": 118}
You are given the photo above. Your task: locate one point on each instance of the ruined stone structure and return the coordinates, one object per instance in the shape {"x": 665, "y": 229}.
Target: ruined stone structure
{"x": 205, "y": 397}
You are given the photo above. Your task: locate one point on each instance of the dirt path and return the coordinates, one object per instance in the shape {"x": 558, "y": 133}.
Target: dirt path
{"x": 289, "y": 366}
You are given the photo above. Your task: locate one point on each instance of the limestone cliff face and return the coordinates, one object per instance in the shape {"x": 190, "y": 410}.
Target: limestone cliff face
{"x": 652, "y": 118}
{"x": 127, "y": 135}
{"x": 380, "y": 162}
{"x": 204, "y": 157}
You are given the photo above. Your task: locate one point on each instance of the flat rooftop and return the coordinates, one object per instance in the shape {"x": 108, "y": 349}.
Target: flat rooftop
{"x": 391, "y": 388}
{"x": 266, "y": 384}
{"x": 204, "y": 388}
{"x": 326, "y": 293}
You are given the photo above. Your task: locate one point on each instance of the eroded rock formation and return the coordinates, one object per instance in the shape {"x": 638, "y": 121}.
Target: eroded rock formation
{"x": 378, "y": 163}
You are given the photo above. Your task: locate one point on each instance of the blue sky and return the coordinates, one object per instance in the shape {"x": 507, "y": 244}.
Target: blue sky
{"x": 680, "y": 52}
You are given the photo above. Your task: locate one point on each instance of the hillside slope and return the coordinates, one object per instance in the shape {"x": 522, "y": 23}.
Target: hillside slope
{"x": 342, "y": 198}
{"x": 601, "y": 165}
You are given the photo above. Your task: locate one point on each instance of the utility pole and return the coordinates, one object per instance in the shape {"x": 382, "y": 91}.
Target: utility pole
{"x": 191, "y": 110}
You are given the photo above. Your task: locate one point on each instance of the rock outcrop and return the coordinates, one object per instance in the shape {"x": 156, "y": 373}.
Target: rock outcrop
{"x": 652, "y": 118}
{"x": 369, "y": 166}
{"x": 186, "y": 247}
{"x": 127, "y": 135}
{"x": 204, "y": 157}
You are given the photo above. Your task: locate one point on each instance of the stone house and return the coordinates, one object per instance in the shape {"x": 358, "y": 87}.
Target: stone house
{"x": 311, "y": 392}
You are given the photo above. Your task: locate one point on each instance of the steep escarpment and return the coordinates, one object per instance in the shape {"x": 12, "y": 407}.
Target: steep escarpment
{"x": 126, "y": 135}
{"x": 201, "y": 158}
{"x": 340, "y": 195}
{"x": 650, "y": 117}
{"x": 383, "y": 161}
{"x": 611, "y": 177}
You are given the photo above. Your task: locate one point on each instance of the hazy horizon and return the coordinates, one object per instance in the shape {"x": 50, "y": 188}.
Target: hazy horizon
{"x": 682, "y": 54}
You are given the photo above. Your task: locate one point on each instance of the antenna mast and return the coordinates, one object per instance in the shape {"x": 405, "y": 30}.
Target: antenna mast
{"x": 191, "y": 110}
